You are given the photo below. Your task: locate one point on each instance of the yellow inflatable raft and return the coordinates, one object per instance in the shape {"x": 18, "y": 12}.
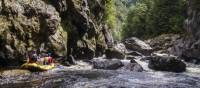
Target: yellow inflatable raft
{"x": 37, "y": 67}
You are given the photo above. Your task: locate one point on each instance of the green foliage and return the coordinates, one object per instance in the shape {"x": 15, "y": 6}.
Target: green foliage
{"x": 110, "y": 13}
{"x": 136, "y": 23}
{"x": 116, "y": 14}
{"x": 149, "y": 18}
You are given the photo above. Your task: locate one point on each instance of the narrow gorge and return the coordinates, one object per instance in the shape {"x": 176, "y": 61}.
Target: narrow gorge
{"x": 99, "y": 44}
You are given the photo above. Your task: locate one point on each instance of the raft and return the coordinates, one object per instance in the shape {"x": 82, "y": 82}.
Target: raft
{"x": 37, "y": 67}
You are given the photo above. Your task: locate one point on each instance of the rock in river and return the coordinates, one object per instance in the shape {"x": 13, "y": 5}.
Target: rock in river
{"x": 118, "y": 51}
{"x": 107, "y": 64}
{"x": 133, "y": 66}
{"x": 167, "y": 63}
{"x": 136, "y": 44}
{"x": 113, "y": 53}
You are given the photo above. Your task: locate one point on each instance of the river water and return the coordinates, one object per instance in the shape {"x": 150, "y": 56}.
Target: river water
{"x": 83, "y": 76}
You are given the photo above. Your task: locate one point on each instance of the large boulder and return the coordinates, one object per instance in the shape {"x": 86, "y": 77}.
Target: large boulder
{"x": 167, "y": 63}
{"x": 118, "y": 51}
{"x": 114, "y": 53}
{"x": 164, "y": 43}
{"x": 136, "y": 44}
{"x": 107, "y": 64}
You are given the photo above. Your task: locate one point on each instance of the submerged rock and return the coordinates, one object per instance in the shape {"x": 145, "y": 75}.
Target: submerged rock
{"x": 135, "y": 44}
{"x": 107, "y": 64}
{"x": 166, "y": 63}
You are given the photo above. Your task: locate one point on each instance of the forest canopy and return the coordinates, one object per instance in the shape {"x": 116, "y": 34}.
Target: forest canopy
{"x": 146, "y": 18}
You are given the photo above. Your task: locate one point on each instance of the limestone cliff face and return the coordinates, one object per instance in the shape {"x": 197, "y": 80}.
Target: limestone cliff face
{"x": 62, "y": 26}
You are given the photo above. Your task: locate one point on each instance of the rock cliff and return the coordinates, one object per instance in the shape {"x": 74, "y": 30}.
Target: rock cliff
{"x": 66, "y": 27}
{"x": 189, "y": 47}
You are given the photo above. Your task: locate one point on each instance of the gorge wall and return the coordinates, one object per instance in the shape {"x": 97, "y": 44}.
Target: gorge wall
{"x": 189, "y": 47}
{"x": 74, "y": 27}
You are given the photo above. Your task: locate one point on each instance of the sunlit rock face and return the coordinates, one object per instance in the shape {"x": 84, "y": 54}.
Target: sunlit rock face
{"x": 136, "y": 44}
{"x": 29, "y": 25}
{"x": 56, "y": 25}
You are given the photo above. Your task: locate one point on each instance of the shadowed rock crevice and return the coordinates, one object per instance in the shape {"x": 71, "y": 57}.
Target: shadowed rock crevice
{"x": 85, "y": 34}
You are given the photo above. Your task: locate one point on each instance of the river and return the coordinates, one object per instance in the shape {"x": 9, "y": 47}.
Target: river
{"x": 83, "y": 76}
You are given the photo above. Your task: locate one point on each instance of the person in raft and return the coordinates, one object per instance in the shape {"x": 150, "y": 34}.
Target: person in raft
{"x": 47, "y": 59}
{"x": 34, "y": 58}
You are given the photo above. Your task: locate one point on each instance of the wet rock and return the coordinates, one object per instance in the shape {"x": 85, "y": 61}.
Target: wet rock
{"x": 134, "y": 53}
{"x": 167, "y": 63}
{"x": 129, "y": 57}
{"x": 118, "y": 51}
{"x": 67, "y": 61}
{"x": 114, "y": 53}
{"x": 133, "y": 66}
{"x": 135, "y": 44}
{"x": 107, "y": 64}
{"x": 133, "y": 61}
{"x": 71, "y": 60}
{"x": 146, "y": 58}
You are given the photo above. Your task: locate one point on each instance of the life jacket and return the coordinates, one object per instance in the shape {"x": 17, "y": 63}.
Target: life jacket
{"x": 50, "y": 59}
